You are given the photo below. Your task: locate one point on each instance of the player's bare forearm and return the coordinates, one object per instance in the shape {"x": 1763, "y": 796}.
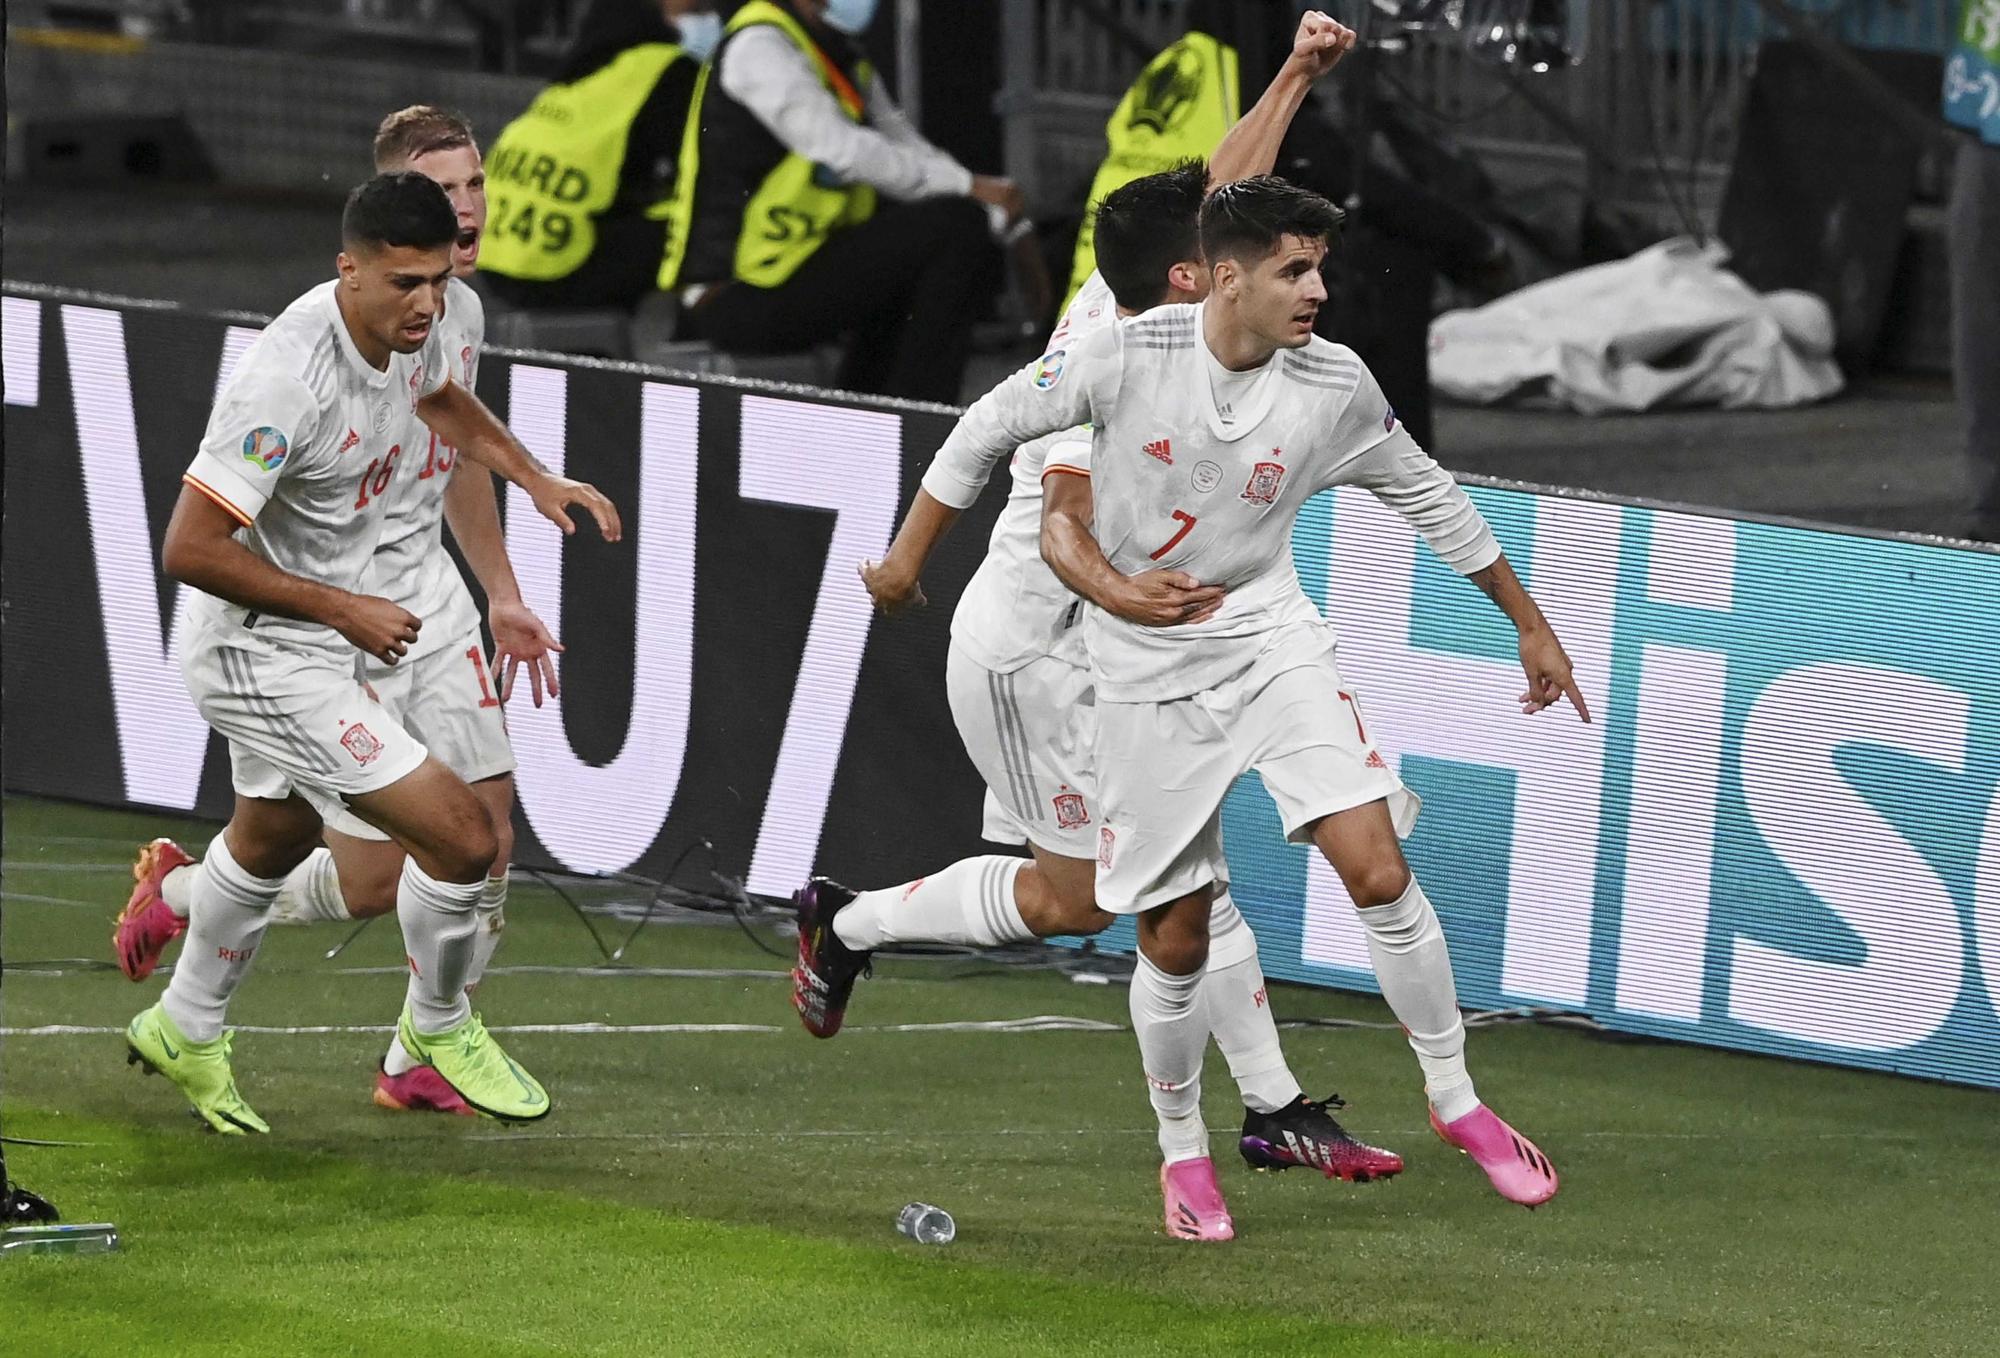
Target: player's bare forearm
{"x": 1499, "y": 583}
{"x": 201, "y": 551}
{"x": 473, "y": 513}
{"x": 1163, "y": 598}
{"x": 1251, "y": 147}
{"x": 1069, "y": 547}
{"x": 895, "y": 582}
{"x": 1547, "y": 666}
{"x": 462, "y": 420}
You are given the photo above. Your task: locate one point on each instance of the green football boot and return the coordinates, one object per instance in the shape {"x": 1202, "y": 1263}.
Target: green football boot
{"x": 200, "y": 1070}
{"x": 472, "y": 1063}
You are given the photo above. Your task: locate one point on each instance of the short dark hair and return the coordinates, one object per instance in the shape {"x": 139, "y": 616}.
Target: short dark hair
{"x": 1246, "y": 220}
{"x": 417, "y": 131}
{"x": 403, "y": 208}
{"x": 1145, "y": 228}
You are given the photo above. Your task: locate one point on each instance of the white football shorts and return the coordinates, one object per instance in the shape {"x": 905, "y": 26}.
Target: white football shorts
{"x": 1031, "y": 733}
{"x": 1164, "y": 769}
{"x": 298, "y": 721}
{"x": 450, "y": 700}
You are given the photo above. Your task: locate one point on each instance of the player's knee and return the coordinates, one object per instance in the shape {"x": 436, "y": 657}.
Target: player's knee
{"x": 371, "y": 893}
{"x": 1380, "y": 882}
{"x": 467, "y": 855}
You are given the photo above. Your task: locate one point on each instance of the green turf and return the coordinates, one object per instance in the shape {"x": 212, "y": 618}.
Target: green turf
{"x": 736, "y": 1192}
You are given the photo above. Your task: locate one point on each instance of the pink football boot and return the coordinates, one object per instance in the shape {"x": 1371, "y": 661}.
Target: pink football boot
{"x": 1194, "y": 1205}
{"x": 1516, "y": 1165}
{"x": 419, "y": 1089}
{"x": 146, "y": 925}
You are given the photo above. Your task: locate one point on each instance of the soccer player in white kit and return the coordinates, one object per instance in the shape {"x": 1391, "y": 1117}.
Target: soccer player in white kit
{"x": 1213, "y": 425}
{"x": 442, "y": 690}
{"x": 278, "y": 523}
{"x": 1020, "y": 687}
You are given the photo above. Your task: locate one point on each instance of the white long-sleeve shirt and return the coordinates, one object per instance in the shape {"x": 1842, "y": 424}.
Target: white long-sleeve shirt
{"x": 765, "y": 71}
{"x": 1176, "y": 486}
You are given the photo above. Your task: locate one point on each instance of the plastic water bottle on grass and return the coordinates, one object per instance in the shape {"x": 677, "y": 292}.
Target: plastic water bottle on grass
{"x": 927, "y": 1225}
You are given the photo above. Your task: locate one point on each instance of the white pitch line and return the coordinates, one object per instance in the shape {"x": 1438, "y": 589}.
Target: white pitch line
{"x": 909, "y": 1134}
{"x": 1041, "y": 1023}
{"x": 30, "y": 865}
{"x": 54, "y": 900}
{"x": 670, "y": 973}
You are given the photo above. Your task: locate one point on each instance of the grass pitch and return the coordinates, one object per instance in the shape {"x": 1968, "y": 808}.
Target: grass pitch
{"x": 735, "y": 1192}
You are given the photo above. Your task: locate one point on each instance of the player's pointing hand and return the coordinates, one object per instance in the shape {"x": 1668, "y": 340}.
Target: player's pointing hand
{"x": 1549, "y": 673}
{"x": 554, "y": 494}
{"x": 378, "y": 627}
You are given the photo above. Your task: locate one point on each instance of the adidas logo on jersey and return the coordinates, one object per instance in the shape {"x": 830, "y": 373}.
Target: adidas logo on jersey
{"x": 1163, "y": 449}
{"x": 348, "y": 442}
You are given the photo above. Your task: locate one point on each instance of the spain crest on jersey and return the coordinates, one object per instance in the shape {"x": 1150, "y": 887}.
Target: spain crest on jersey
{"x": 266, "y": 447}
{"x": 1265, "y": 478}
{"x": 1071, "y": 813}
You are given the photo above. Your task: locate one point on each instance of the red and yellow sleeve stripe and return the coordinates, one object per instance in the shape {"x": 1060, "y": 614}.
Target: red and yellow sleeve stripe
{"x": 220, "y": 499}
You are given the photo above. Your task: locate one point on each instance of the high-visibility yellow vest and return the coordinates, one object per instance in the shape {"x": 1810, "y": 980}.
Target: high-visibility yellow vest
{"x": 554, "y": 170}
{"x": 759, "y": 209}
{"x": 1178, "y": 109}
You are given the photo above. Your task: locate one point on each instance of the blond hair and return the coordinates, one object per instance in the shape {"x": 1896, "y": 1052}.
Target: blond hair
{"x": 417, "y": 131}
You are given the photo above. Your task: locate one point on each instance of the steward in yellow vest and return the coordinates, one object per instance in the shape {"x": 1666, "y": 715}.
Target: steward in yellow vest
{"x": 580, "y": 183}
{"x": 815, "y": 212}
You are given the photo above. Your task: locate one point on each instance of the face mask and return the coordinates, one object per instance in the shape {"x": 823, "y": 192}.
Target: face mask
{"x": 851, "y": 17}
{"x": 700, "y": 33}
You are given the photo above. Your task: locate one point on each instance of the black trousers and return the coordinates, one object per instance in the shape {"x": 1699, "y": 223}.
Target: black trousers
{"x": 903, "y": 288}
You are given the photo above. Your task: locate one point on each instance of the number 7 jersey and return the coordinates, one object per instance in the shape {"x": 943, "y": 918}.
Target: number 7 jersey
{"x": 1180, "y": 484}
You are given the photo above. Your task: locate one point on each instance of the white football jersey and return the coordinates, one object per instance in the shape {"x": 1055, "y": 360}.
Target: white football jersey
{"x": 302, "y": 448}
{"x": 1014, "y": 610}
{"x": 411, "y": 565}
{"x": 1177, "y": 487}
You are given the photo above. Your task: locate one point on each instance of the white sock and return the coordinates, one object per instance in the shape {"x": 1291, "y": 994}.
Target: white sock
{"x": 177, "y": 888}
{"x": 229, "y": 911}
{"x": 311, "y": 892}
{"x": 1172, "y": 1026}
{"x": 492, "y": 915}
{"x": 489, "y": 920}
{"x": 1406, "y": 944}
{"x": 398, "y": 1061}
{"x": 1239, "y": 1011}
{"x": 971, "y": 902}
{"x": 438, "y": 920}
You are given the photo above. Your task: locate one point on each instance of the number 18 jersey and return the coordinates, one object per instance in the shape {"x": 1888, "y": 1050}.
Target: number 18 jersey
{"x": 302, "y": 445}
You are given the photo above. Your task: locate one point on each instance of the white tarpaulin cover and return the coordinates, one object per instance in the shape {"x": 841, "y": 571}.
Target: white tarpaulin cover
{"x": 1667, "y": 327}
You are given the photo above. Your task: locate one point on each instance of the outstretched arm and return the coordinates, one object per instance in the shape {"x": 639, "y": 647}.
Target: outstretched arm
{"x": 894, "y": 582}
{"x": 1406, "y": 479}
{"x": 462, "y": 420}
{"x": 1251, "y": 148}
{"x": 1543, "y": 660}
{"x": 519, "y": 637}
{"x": 1046, "y": 397}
